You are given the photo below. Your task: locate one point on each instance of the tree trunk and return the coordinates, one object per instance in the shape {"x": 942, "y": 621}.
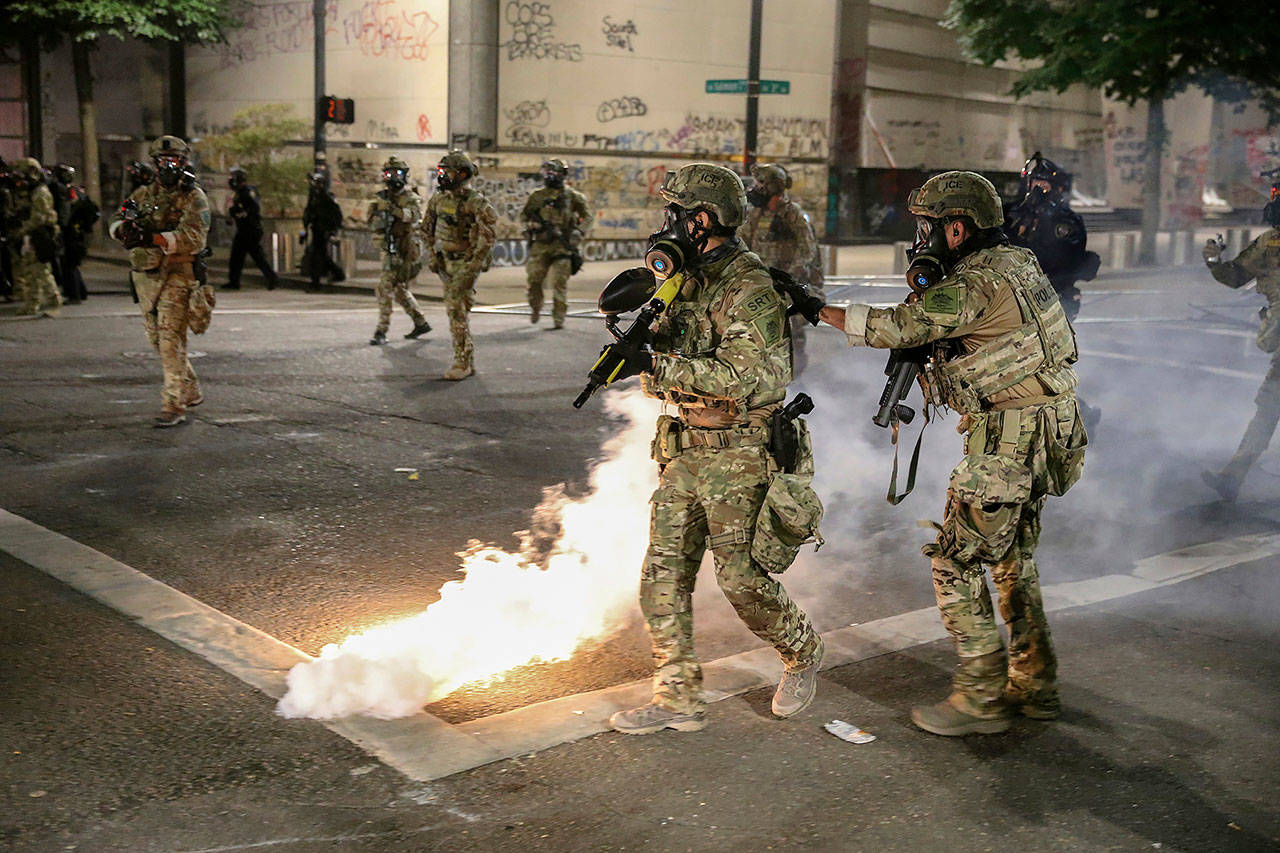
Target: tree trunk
{"x": 88, "y": 122}
{"x": 1151, "y": 183}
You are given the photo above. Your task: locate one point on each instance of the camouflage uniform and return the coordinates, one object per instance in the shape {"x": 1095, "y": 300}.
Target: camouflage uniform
{"x": 459, "y": 231}
{"x": 164, "y": 279}
{"x": 1260, "y": 260}
{"x": 558, "y": 220}
{"x": 782, "y": 235}
{"x": 1002, "y": 356}
{"x": 35, "y": 219}
{"x": 398, "y": 270}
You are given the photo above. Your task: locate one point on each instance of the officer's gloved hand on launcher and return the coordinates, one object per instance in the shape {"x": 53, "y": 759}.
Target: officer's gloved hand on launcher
{"x": 636, "y": 358}
{"x": 1212, "y": 251}
{"x": 134, "y": 236}
{"x": 808, "y": 307}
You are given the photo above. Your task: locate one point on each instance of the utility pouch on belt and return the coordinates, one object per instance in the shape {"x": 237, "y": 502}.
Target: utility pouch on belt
{"x": 791, "y": 512}
{"x": 44, "y": 242}
{"x": 990, "y": 490}
{"x": 1065, "y": 441}
{"x": 666, "y": 440}
{"x": 200, "y": 308}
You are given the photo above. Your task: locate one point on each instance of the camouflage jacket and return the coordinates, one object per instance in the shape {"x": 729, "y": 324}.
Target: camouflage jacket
{"x": 180, "y": 215}
{"x": 722, "y": 350}
{"x": 33, "y": 210}
{"x": 405, "y": 210}
{"x": 1012, "y": 343}
{"x": 460, "y": 220}
{"x": 557, "y": 216}
{"x": 784, "y": 239}
{"x": 1260, "y": 260}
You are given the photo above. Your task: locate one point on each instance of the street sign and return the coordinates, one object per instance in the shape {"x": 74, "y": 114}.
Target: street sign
{"x": 739, "y": 87}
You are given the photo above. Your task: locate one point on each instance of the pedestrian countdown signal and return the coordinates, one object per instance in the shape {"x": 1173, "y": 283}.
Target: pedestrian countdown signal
{"x": 337, "y": 110}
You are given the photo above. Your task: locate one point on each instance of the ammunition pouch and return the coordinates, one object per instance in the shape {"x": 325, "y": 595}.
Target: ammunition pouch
{"x": 200, "y": 267}
{"x": 791, "y": 513}
{"x": 1065, "y": 440}
{"x": 986, "y": 496}
{"x": 673, "y": 438}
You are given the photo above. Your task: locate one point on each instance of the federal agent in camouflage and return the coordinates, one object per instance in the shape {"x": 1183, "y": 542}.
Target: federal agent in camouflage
{"x": 169, "y": 231}
{"x": 33, "y": 235}
{"x": 556, "y": 221}
{"x": 1002, "y": 356}
{"x": 395, "y": 215}
{"x": 778, "y": 230}
{"x": 721, "y": 356}
{"x": 459, "y": 232}
{"x": 1260, "y": 260}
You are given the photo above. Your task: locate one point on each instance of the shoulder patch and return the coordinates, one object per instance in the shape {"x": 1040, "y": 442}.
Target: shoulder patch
{"x": 942, "y": 300}
{"x": 758, "y": 304}
{"x": 769, "y": 327}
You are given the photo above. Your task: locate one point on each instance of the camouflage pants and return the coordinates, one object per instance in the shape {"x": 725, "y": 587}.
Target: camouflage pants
{"x": 992, "y": 517}
{"x": 165, "y": 300}
{"x": 549, "y": 266}
{"x": 1263, "y": 426}
{"x": 34, "y": 284}
{"x": 711, "y": 493}
{"x": 459, "y": 280}
{"x": 394, "y": 284}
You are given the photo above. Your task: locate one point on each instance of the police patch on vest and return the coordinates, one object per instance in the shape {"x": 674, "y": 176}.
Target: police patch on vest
{"x": 942, "y": 300}
{"x": 1042, "y": 293}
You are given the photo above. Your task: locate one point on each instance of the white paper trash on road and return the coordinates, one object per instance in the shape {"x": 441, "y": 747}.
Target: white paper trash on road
{"x": 849, "y": 732}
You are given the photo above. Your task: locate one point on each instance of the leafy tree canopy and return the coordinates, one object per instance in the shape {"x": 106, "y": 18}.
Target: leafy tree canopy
{"x": 256, "y": 141}
{"x": 202, "y": 21}
{"x": 1134, "y": 52}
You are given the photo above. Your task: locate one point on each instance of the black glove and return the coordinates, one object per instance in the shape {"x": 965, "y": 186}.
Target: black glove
{"x": 808, "y": 308}
{"x": 133, "y": 235}
{"x": 635, "y": 359}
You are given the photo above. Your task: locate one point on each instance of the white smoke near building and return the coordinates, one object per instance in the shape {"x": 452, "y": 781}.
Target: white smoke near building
{"x": 510, "y": 609}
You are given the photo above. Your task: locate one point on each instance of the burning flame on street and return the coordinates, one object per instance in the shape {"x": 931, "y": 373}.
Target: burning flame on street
{"x": 508, "y": 611}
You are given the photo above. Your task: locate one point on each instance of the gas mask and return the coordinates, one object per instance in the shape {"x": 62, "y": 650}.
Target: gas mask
{"x": 450, "y": 179}
{"x": 758, "y": 195}
{"x": 676, "y": 247}
{"x": 169, "y": 169}
{"x": 394, "y": 179}
{"x": 552, "y": 179}
{"x": 929, "y": 255}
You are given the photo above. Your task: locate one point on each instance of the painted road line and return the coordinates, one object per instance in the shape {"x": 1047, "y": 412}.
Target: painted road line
{"x": 424, "y": 747}
{"x": 1168, "y": 362}
{"x": 548, "y": 724}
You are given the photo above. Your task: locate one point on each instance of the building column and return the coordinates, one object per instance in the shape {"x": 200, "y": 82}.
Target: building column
{"x": 848, "y": 105}
{"x": 473, "y": 74}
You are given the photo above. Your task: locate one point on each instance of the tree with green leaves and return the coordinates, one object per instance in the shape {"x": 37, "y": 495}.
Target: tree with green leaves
{"x": 256, "y": 141}
{"x": 86, "y": 22}
{"x": 1144, "y": 52}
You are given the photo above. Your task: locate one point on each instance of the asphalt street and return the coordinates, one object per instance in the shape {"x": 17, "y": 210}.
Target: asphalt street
{"x": 280, "y": 505}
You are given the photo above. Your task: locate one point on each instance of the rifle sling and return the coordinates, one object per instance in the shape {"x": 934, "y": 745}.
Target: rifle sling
{"x": 893, "y": 497}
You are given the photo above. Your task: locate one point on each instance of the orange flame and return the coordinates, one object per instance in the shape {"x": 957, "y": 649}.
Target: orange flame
{"x": 507, "y": 611}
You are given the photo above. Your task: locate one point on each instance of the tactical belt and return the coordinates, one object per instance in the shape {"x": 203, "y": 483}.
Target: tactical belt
{"x": 739, "y": 436}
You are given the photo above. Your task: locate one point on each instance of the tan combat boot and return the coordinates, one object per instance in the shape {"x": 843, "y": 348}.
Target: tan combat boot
{"x": 460, "y": 370}
{"x": 651, "y": 718}
{"x": 798, "y": 686}
{"x": 976, "y": 704}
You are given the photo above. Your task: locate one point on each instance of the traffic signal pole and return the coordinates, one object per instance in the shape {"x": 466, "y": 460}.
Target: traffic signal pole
{"x": 753, "y": 85}
{"x": 318, "y": 7}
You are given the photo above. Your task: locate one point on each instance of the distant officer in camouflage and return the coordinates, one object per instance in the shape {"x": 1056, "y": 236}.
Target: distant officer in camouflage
{"x": 459, "y": 232}
{"x": 33, "y": 236}
{"x": 720, "y": 355}
{"x": 778, "y": 230}
{"x": 1260, "y": 260}
{"x": 556, "y": 221}
{"x": 1002, "y": 351}
{"x": 395, "y": 215}
{"x": 170, "y": 230}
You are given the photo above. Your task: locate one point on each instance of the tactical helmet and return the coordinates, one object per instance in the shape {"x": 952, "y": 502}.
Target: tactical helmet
{"x": 705, "y": 185}
{"x": 395, "y": 173}
{"x": 28, "y": 167}
{"x": 64, "y": 173}
{"x": 455, "y": 169}
{"x": 237, "y": 176}
{"x": 1038, "y": 168}
{"x": 953, "y": 194}
{"x": 554, "y": 172}
{"x": 394, "y": 162}
{"x": 772, "y": 177}
{"x": 319, "y": 179}
{"x": 170, "y": 145}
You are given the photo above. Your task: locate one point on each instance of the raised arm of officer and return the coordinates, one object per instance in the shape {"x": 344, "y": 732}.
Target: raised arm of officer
{"x": 939, "y": 312}
{"x": 484, "y": 230}
{"x": 1261, "y": 255}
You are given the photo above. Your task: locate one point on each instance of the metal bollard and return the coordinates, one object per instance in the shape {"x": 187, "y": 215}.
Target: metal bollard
{"x": 900, "y": 257}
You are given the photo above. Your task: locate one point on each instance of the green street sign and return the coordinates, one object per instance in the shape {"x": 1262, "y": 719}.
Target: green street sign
{"x": 739, "y": 87}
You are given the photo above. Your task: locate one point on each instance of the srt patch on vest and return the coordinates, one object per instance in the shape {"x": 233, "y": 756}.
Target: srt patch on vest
{"x": 757, "y": 305}
{"x": 942, "y": 300}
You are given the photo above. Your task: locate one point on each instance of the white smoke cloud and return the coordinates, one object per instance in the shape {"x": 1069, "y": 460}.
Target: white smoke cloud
{"x": 511, "y": 608}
